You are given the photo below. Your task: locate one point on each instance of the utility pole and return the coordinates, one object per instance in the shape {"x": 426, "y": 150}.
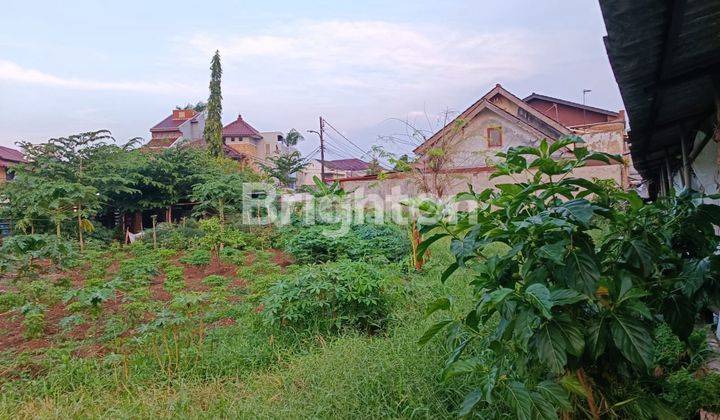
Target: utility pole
{"x": 585, "y": 92}
{"x": 322, "y": 147}
{"x": 322, "y": 150}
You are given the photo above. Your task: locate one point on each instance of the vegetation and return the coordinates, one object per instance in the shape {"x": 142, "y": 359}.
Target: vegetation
{"x": 585, "y": 276}
{"x": 557, "y": 296}
{"x": 213, "y": 122}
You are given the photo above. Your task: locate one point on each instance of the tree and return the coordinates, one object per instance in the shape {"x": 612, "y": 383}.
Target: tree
{"x": 219, "y": 195}
{"x": 282, "y": 167}
{"x": 292, "y": 138}
{"x": 213, "y": 123}
{"x": 200, "y": 106}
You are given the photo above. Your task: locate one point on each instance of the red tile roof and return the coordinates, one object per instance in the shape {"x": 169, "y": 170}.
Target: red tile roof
{"x": 241, "y": 129}
{"x": 171, "y": 123}
{"x": 347, "y": 165}
{"x": 9, "y": 156}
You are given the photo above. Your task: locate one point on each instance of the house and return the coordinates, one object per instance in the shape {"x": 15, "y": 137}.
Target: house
{"x": 255, "y": 146}
{"x": 186, "y": 124}
{"x": 666, "y": 61}
{"x": 334, "y": 169}
{"x": 8, "y": 158}
{"x": 500, "y": 120}
{"x": 242, "y": 142}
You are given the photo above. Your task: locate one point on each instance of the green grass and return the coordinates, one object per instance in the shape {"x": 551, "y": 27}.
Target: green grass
{"x": 245, "y": 370}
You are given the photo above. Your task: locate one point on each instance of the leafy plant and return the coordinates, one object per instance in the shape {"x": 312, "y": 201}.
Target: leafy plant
{"x": 33, "y": 320}
{"x": 570, "y": 305}
{"x": 197, "y": 257}
{"x": 331, "y": 296}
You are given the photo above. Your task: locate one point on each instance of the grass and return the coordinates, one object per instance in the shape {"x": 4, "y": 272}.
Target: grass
{"x": 226, "y": 362}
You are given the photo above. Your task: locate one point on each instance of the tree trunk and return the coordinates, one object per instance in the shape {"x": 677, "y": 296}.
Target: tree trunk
{"x": 80, "y": 229}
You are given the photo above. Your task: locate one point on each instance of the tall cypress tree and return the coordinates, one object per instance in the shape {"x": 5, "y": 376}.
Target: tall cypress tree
{"x": 213, "y": 123}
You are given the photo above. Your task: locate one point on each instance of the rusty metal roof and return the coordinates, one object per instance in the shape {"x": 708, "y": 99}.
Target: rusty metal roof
{"x": 666, "y": 59}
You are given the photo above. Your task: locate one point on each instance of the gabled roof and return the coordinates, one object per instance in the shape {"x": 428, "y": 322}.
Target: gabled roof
{"x": 571, "y": 104}
{"x": 543, "y": 126}
{"x": 11, "y": 155}
{"x": 347, "y": 165}
{"x": 173, "y": 124}
{"x": 240, "y": 128}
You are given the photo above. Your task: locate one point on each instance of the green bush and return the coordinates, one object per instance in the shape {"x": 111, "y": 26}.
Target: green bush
{"x": 331, "y": 296}
{"x": 174, "y": 280}
{"x": 34, "y": 320}
{"x": 669, "y": 349}
{"x": 216, "y": 280}
{"x": 687, "y": 393}
{"x": 10, "y": 300}
{"x": 313, "y": 244}
{"x": 177, "y": 237}
{"x": 389, "y": 241}
{"x": 197, "y": 257}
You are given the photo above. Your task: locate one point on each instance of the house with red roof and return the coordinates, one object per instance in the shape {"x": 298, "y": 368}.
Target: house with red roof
{"x": 242, "y": 142}
{"x": 182, "y": 124}
{"x": 8, "y": 158}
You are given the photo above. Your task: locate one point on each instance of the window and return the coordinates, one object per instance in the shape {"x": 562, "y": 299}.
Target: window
{"x": 494, "y": 135}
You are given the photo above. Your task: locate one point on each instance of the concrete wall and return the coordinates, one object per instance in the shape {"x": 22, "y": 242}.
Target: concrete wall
{"x": 406, "y": 184}
{"x": 3, "y": 173}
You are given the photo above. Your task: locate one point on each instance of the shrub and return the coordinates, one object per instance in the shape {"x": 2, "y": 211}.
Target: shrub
{"x": 668, "y": 347}
{"x": 313, "y": 245}
{"x": 687, "y": 393}
{"x": 177, "y": 237}
{"x": 34, "y": 320}
{"x": 174, "y": 280}
{"x": 10, "y": 300}
{"x": 386, "y": 240}
{"x": 218, "y": 236}
{"x": 331, "y": 296}
{"x": 215, "y": 280}
{"x": 197, "y": 257}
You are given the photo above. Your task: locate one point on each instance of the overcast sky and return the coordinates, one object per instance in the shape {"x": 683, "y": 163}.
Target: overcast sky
{"x": 73, "y": 66}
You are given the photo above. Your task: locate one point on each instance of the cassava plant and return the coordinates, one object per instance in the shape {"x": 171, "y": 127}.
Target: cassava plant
{"x": 584, "y": 275}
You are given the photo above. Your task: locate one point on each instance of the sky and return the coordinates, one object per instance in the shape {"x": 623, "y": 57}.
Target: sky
{"x": 365, "y": 66}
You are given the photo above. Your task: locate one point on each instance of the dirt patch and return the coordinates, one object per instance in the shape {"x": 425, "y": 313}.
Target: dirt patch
{"x": 157, "y": 289}
{"x": 93, "y": 350}
{"x": 224, "y": 322}
{"x": 281, "y": 258}
{"x": 194, "y": 275}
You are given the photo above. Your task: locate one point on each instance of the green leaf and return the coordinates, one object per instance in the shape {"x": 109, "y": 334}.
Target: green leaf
{"x": 679, "y": 313}
{"x": 552, "y": 391}
{"x": 571, "y": 333}
{"x": 461, "y": 367}
{"x": 597, "y": 338}
{"x": 539, "y": 296}
{"x": 571, "y": 384}
{"x": 449, "y": 271}
{"x": 550, "y": 347}
{"x": 632, "y": 337}
{"x": 440, "y": 304}
{"x": 579, "y": 209}
{"x": 518, "y": 398}
{"x": 463, "y": 249}
{"x": 424, "y": 245}
{"x": 566, "y": 297}
{"x": 430, "y": 333}
{"x": 471, "y": 400}
{"x": 639, "y": 254}
{"x": 541, "y": 408}
{"x": 554, "y": 252}
{"x": 581, "y": 272}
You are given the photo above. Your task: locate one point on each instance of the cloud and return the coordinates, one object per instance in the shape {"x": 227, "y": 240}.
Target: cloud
{"x": 380, "y": 54}
{"x": 15, "y": 73}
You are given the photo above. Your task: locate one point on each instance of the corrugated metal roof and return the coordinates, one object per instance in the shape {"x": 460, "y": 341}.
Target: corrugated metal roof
{"x": 347, "y": 165}
{"x": 664, "y": 55}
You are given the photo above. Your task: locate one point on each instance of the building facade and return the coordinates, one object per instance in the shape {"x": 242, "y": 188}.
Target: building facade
{"x": 497, "y": 121}
{"x": 8, "y": 158}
